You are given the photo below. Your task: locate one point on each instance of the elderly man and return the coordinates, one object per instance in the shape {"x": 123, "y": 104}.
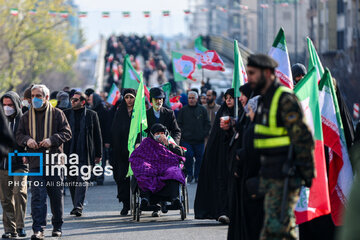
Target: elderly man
{"x": 195, "y": 126}
{"x": 44, "y": 129}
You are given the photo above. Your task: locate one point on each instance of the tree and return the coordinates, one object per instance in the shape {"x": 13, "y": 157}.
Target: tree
{"x": 33, "y": 43}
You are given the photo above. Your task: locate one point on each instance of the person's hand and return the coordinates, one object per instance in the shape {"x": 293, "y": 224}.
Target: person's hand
{"x": 163, "y": 140}
{"x": 137, "y": 145}
{"x": 97, "y": 160}
{"x": 223, "y": 125}
{"x": 251, "y": 114}
{"x": 107, "y": 145}
{"x": 31, "y": 143}
{"x": 46, "y": 143}
{"x": 25, "y": 160}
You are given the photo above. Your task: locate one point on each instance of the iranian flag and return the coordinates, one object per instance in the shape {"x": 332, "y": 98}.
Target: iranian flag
{"x": 208, "y": 59}
{"x": 105, "y": 14}
{"x": 183, "y": 67}
{"x": 14, "y": 11}
{"x": 167, "y": 89}
{"x": 114, "y": 95}
{"x": 64, "y": 14}
{"x": 146, "y": 14}
{"x": 187, "y": 11}
{"x": 32, "y": 12}
{"x": 166, "y": 13}
{"x": 239, "y": 76}
{"x": 340, "y": 170}
{"x": 130, "y": 78}
{"x": 52, "y": 13}
{"x": 126, "y": 14}
{"x": 280, "y": 53}
{"x": 314, "y": 60}
{"x": 313, "y": 202}
{"x": 82, "y": 14}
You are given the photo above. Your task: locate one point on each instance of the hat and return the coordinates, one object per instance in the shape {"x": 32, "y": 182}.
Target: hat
{"x": 157, "y": 93}
{"x": 130, "y": 91}
{"x": 298, "y": 69}
{"x": 230, "y": 92}
{"x": 246, "y": 90}
{"x": 157, "y": 127}
{"x": 89, "y": 91}
{"x": 261, "y": 61}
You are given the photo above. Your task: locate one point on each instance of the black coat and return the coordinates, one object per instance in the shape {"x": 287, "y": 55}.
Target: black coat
{"x": 7, "y": 140}
{"x": 93, "y": 141}
{"x": 212, "y": 195}
{"x": 13, "y": 121}
{"x": 119, "y": 142}
{"x": 104, "y": 117}
{"x": 247, "y": 214}
{"x": 167, "y": 118}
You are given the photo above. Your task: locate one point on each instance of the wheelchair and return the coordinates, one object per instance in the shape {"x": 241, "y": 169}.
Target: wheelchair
{"x": 155, "y": 201}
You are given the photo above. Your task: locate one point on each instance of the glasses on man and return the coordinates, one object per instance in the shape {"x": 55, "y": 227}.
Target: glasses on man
{"x": 74, "y": 100}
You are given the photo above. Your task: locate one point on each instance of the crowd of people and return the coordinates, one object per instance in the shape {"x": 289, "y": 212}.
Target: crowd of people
{"x": 237, "y": 158}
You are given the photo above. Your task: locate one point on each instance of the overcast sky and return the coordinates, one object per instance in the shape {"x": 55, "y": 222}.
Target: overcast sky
{"x": 94, "y": 24}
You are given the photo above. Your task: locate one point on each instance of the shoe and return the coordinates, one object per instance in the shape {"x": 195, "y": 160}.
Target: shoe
{"x": 9, "y": 235}
{"x": 163, "y": 208}
{"x": 73, "y": 211}
{"x": 224, "y": 219}
{"x": 189, "y": 179}
{"x": 144, "y": 203}
{"x": 124, "y": 212}
{"x": 38, "y": 236}
{"x": 56, "y": 233}
{"x": 21, "y": 232}
{"x": 155, "y": 214}
{"x": 78, "y": 212}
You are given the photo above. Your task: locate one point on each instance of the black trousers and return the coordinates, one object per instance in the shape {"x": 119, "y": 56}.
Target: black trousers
{"x": 78, "y": 187}
{"x": 318, "y": 228}
{"x": 41, "y": 187}
{"x": 169, "y": 192}
{"x": 123, "y": 188}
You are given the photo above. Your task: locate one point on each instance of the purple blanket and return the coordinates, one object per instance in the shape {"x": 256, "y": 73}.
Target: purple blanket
{"x": 152, "y": 164}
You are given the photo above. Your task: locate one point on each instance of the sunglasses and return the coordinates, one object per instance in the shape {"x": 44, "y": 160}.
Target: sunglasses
{"x": 74, "y": 99}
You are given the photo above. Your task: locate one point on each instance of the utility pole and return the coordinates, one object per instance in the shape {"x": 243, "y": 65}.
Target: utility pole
{"x": 296, "y": 31}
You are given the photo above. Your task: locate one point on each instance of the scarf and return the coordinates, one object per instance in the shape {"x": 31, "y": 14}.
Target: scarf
{"x": 49, "y": 112}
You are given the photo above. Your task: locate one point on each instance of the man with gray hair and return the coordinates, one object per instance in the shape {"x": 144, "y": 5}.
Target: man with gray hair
{"x": 194, "y": 123}
{"x": 44, "y": 129}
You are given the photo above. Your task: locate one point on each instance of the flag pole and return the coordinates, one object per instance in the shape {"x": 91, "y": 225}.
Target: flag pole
{"x": 203, "y": 77}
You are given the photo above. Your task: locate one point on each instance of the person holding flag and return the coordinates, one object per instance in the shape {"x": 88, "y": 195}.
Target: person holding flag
{"x": 283, "y": 140}
{"x": 119, "y": 144}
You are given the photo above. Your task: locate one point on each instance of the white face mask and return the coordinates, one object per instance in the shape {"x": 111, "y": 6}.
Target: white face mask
{"x": 9, "y": 111}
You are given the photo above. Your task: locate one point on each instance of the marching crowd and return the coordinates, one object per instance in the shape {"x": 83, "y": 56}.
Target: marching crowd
{"x": 244, "y": 153}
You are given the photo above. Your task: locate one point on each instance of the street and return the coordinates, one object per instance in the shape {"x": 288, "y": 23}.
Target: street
{"x": 101, "y": 220}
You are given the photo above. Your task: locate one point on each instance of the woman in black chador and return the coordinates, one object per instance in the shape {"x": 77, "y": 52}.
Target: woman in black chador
{"x": 120, "y": 160}
{"x": 212, "y": 196}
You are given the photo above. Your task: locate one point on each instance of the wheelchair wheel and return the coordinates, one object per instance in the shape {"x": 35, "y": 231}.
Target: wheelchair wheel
{"x": 184, "y": 201}
{"x": 138, "y": 212}
{"x": 133, "y": 206}
{"x": 182, "y": 213}
{"x": 185, "y": 198}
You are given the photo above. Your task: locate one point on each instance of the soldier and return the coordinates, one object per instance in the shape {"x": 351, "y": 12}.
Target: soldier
{"x": 285, "y": 144}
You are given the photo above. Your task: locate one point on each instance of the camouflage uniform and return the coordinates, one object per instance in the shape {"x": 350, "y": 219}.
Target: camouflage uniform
{"x": 289, "y": 118}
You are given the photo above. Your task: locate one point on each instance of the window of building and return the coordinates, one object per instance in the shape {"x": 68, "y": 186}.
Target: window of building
{"x": 341, "y": 40}
{"x": 340, "y": 6}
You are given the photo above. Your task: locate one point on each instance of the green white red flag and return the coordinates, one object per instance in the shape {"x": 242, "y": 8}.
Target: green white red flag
{"x": 314, "y": 60}
{"x": 114, "y": 95}
{"x": 280, "y": 53}
{"x": 14, "y": 11}
{"x": 313, "y": 202}
{"x": 130, "y": 78}
{"x": 340, "y": 170}
{"x": 239, "y": 76}
{"x": 183, "y": 67}
{"x": 207, "y": 59}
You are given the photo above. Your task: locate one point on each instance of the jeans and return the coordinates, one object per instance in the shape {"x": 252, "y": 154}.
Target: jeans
{"x": 41, "y": 187}
{"x": 193, "y": 150}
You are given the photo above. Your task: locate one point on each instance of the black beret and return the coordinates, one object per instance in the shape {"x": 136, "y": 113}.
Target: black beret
{"x": 157, "y": 93}
{"x": 261, "y": 61}
{"x": 298, "y": 70}
{"x": 129, "y": 90}
{"x": 246, "y": 90}
{"x": 230, "y": 92}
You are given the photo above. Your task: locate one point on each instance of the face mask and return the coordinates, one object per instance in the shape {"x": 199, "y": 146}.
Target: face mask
{"x": 37, "y": 102}
{"x": 25, "y": 103}
{"x": 157, "y": 138}
{"x": 9, "y": 111}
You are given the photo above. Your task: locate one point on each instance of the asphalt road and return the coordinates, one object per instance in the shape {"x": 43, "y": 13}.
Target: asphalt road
{"x": 102, "y": 220}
